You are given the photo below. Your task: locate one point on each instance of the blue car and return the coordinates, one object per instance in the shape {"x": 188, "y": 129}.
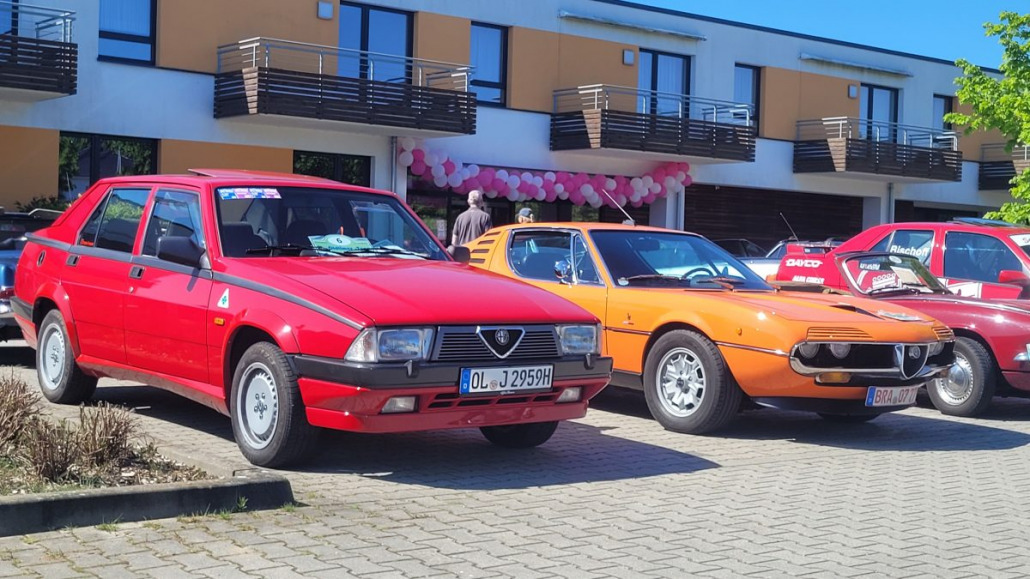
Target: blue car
{"x": 13, "y": 227}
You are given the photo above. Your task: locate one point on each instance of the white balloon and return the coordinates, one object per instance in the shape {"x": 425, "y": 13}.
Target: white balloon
{"x": 550, "y": 176}
{"x": 636, "y": 182}
{"x": 431, "y": 159}
{"x": 636, "y": 196}
{"x": 587, "y": 189}
{"x": 647, "y": 180}
{"x": 513, "y": 195}
{"x": 538, "y": 181}
{"x": 526, "y": 176}
{"x": 465, "y": 174}
{"x": 609, "y": 184}
{"x": 681, "y": 176}
{"x": 440, "y": 181}
{"x": 501, "y": 174}
{"x": 406, "y": 159}
{"x": 438, "y": 171}
{"x": 514, "y": 181}
{"x": 654, "y": 188}
{"x": 473, "y": 170}
{"x": 490, "y": 193}
{"x": 670, "y": 182}
{"x": 595, "y": 202}
{"x": 407, "y": 143}
{"x": 563, "y": 194}
{"x": 559, "y": 188}
{"x": 454, "y": 180}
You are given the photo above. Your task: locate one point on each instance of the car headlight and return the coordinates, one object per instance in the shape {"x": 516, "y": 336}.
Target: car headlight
{"x": 580, "y": 339}
{"x": 840, "y": 351}
{"x": 391, "y": 345}
{"x": 808, "y": 350}
{"x": 935, "y": 348}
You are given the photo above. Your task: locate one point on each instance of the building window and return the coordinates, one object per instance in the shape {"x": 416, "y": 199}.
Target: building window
{"x": 747, "y": 89}
{"x": 85, "y": 159}
{"x": 9, "y": 18}
{"x": 350, "y": 169}
{"x": 942, "y": 105}
{"x": 127, "y": 30}
{"x": 667, "y": 76}
{"x": 387, "y": 33}
{"x": 878, "y": 106}
{"x": 489, "y": 60}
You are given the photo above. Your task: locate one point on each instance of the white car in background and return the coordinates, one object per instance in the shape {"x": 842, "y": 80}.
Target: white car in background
{"x": 768, "y": 266}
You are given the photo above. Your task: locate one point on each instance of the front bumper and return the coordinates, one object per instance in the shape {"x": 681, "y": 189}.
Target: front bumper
{"x": 349, "y": 396}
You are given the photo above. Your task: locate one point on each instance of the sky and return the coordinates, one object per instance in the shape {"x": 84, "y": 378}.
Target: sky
{"x": 947, "y": 29}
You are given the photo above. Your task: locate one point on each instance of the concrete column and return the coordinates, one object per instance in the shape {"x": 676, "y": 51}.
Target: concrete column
{"x": 874, "y": 211}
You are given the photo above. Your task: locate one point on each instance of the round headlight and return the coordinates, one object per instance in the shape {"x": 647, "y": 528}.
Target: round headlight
{"x": 808, "y": 350}
{"x": 914, "y": 352}
{"x": 840, "y": 351}
{"x": 935, "y": 348}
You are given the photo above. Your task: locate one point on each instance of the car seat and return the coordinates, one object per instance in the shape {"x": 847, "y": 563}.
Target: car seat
{"x": 298, "y": 232}
{"x": 237, "y": 238}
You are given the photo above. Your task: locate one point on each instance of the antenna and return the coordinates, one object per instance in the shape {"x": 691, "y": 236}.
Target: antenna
{"x": 629, "y": 220}
{"x": 792, "y": 234}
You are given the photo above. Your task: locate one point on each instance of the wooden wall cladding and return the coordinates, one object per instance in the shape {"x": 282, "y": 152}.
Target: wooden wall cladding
{"x": 35, "y": 64}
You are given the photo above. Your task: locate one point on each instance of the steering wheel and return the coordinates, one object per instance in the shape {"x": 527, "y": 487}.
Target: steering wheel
{"x": 696, "y": 270}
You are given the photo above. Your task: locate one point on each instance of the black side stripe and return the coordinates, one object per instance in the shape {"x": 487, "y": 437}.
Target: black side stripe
{"x": 276, "y": 293}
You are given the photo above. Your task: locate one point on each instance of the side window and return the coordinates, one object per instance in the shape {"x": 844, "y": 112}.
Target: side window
{"x": 882, "y": 244}
{"x": 582, "y": 262}
{"x": 917, "y": 243}
{"x": 121, "y": 219}
{"x": 88, "y": 235}
{"x": 532, "y": 254}
{"x": 977, "y": 257}
{"x": 175, "y": 214}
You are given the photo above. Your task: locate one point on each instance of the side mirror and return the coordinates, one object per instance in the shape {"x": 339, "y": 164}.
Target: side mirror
{"x": 563, "y": 271}
{"x": 1013, "y": 276}
{"x": 181, "y": 250}
{"x": 460, "y": 253}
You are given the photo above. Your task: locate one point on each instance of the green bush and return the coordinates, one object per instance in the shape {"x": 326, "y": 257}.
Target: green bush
{"x": 41, "y": 202}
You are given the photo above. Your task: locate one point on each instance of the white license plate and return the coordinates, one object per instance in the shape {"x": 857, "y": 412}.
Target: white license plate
{"x": 880, "y": 396}
{"x": 505, "y": 380}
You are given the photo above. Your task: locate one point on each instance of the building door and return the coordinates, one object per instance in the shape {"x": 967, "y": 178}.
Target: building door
{"x": 879, "y": 109}
{"x": 384, "y": 32}
{"x": 667, "y": 77}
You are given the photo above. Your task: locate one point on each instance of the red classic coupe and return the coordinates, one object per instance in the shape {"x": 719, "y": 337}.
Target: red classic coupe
{"x": 992, "y": 337}
{"x": 291, "y": 303}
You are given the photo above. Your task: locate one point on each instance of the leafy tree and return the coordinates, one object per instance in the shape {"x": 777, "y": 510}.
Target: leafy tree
{"x": 1002, "y": 104}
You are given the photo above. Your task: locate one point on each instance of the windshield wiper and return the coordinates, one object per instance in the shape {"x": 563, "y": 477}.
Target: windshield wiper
{"x": 725, "y": 281}
{"x": 649, "y": 277}
{"x": 377, "y": 251}
{"x": 893, "y": 289}
{"x": 281, "y": 248}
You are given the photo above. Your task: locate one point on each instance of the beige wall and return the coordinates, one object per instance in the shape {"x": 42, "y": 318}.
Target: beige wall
{"x": 970, "y": 144}
{"x": 179, "y": 156}
{"x": 442, "y": 38}
{"x": 541, "y": 62}
{"x": 789, "y": 96}
{"x": 30, "y": 164}
{"x": 190, "y": 31}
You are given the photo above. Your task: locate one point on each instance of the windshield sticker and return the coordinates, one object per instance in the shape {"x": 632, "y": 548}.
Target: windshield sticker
{"x": 884, "y": 280}
{"x": 913, "y": 251}
{"x": 871, "y": 266}
{"x": 1022, "y": 239}
{"x": 339, "y": 242}
{"x": 229, "y": 193}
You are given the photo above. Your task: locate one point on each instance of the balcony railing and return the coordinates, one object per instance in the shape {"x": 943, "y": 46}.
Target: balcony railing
{"x": 998, "y": 166}
{"x": 845, "y": 144}
{"x": 281, "y": 77}
{"x": 36, "y": 49}
{"x": 604, "y": 116}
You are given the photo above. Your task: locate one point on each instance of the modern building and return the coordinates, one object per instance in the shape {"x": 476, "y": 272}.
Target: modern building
{"x": 548, "y": 103}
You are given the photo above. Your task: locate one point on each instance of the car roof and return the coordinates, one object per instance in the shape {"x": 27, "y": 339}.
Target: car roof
{"x": 957, "y": 226}
{"x": 239, "y": 177}
{"x": 592, "y": 226}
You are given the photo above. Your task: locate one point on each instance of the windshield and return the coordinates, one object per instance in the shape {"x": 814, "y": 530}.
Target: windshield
{"x": 264, "y": 221}
{"x": 883, "y": 273}
{"x": 652, "y": 258}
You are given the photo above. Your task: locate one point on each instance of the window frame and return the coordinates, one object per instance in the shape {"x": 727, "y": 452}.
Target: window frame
{"x": 363, "y": 68}
{"x": 108, "y": 194}
{"x": 95, "y": 139}
{"x": 337, "y": 160}
{"x": 503, "y": 84}
{"x": 756, "y": 89}
{"x": 572, "y": 234}
{"x": 688, "y": 65}
{"x": 1002, "y": 242}
{"x": 150, "y": 40}
{"x": 888, "y": 241}
{"x": 866, "y": 116}
{"x": 149, "y": 215}
{"x": 14, "y": 17}
{"x": 949, "y": 107}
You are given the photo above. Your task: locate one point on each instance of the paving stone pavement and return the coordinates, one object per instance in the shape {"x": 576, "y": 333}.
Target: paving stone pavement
{"x": 914, "y": 494}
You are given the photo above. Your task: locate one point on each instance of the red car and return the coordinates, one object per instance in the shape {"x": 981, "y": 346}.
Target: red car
{"x": 992, "y": 344}
{"x": 972, "y": 257}
{"x": 291, "y": 303}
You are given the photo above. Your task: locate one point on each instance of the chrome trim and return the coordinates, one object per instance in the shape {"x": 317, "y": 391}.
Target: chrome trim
{"x": 926, "y": 370}
{"x": 753, "y": 349}
{"x": 497, "y": 337}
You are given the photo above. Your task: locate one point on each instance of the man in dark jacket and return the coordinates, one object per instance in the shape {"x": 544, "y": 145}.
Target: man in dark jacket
{"x": 472, "y": 222}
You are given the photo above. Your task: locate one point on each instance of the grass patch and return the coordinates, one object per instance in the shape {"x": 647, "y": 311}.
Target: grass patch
{"x": 105, "y": 447}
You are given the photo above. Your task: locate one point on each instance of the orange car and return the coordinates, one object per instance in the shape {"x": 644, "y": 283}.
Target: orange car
{"x": 697, "y": 331}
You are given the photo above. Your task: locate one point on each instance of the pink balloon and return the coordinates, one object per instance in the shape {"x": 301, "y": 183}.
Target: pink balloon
{"x": 582, "y": 178}
{"x": 637, "y": 203}
{"x": 550, "y": 194}
{"x": 448, "y": 167}
{"x": 500, "y": 185}
{"x": 658, "y": 174}
{"x": 487, "y": 174}
{"x": 561, "y": 177}
{"x": 687, "y": 181}
{"x": 418, "y": 167}
{"x": 649, "y": 198}
{"x": 418, "y": 154}
{"x": 548, "y": 186}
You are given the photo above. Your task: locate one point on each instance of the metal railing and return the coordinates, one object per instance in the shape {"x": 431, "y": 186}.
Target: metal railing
{"x": 854, "y": 128}
{"x": 626, "y": 99}
{"x": 343, "y": 62}
{"x": 26, "y": 20}
{"x": 995, "y": 153}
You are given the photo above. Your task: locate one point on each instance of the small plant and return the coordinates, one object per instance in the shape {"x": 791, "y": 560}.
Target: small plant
{"x": 109, "y": 527}
{"x": 290, "y": 507}
{"x": 48, "y": 449}
{"x": 106, "y": 434}
{"x": 19, "y": 407}
{"x": 241, "y": 504}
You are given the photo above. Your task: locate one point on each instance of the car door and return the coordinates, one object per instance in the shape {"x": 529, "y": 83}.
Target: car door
{"x": 96, "y": 272}
{"x": 166, "y": 305}
{"x": 534, "y": 254}
{"x": 973, "y": 262}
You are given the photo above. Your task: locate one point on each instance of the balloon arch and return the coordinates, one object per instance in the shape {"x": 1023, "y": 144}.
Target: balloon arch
{"x": 519, "y": 185}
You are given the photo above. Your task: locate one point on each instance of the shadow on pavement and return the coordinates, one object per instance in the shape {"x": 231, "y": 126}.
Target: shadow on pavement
{"x": 910, "y": 430}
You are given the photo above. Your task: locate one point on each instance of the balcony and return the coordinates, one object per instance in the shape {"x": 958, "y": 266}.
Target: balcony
{"x": 998, "y": 166}
{"x": 894, "y": 152}
{"x": 38, "y": 60}
{"x": 651, "y": 124}
{"x": 298, "y": 84}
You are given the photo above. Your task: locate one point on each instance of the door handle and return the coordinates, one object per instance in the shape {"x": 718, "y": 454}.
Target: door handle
{"x": 72, "y": 260}
{"x": 136, "y": 272}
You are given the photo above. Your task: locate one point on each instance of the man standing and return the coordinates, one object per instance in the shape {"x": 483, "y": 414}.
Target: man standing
{"x": 472, "y": 222}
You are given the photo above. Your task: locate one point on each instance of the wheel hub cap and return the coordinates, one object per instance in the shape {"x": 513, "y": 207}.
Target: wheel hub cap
{"x": 259, "y": 405}
{"x": 681, "y": 382}
{"x": 957, "y": 386}
{"x": 52, "y": 358}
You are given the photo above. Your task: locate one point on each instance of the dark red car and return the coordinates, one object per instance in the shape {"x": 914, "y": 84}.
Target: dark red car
{"x": 292, "y": 303}
{"x": 992, "y": 344}
{"x": 972, "y": 257}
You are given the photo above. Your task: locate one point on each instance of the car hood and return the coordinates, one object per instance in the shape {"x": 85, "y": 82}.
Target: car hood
{"x": 392, "y": 291}
{"x": 964, "y": 302}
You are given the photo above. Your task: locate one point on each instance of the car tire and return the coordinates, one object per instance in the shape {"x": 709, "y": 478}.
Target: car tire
{"x": 848, "y": 418}
{"x": 60, "y": 378}
{"x": 703, "y": 397}
{"x": 520, "y": 435}
{"x": 268, "y": 418}
{"x": 968, "y": 387}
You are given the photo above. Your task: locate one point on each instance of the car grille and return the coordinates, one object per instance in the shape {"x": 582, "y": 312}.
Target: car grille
{"x": 944, "y": 333}
{"x": 836, "y": 334}
{"x": 462, "y": 344}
